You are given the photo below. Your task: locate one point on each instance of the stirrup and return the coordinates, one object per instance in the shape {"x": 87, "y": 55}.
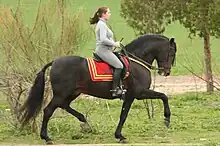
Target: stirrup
{"x": 117, "y": 92}
{"x": 124, "y": 90}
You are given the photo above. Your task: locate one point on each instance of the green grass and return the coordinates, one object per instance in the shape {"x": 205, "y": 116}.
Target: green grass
{"x": 190, "y": 52}
{"x": 195, "y": 119}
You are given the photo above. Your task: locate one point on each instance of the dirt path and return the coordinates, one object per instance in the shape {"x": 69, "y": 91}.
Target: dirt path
{"x": 180, "y": 84}
{"x": 177, "y": 84}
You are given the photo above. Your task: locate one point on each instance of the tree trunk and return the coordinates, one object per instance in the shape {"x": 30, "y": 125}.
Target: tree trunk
{"x": 208, "y": 66}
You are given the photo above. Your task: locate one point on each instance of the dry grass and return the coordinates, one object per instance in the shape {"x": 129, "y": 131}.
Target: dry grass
{"x": 56, "y": 32}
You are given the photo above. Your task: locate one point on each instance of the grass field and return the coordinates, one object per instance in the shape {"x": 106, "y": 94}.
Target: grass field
{"x": 195, "y": 116}
{"x": 195, "y": 119}
{"x": 190, "y": 52}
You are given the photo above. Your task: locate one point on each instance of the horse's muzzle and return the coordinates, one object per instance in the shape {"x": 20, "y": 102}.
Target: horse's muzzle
{"x": 165, "y": 72}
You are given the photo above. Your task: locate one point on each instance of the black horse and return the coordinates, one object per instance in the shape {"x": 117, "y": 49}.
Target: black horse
{"x": 70, "y": 77}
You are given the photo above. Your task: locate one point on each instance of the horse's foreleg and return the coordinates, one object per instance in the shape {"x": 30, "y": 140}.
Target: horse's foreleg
{"x": 150, "y": 94}
{"x": 124, "y": 112}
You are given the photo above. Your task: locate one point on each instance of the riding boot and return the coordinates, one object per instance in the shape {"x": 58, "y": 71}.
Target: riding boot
{"x": 116, "y": 90}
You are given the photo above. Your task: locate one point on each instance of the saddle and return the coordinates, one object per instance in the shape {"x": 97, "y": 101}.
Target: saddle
{"x": 122, "y": 58}
{"x": 102, "y": 71}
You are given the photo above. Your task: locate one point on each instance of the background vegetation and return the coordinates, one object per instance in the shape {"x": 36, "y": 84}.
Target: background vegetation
{"x": 35, "y": 32}
{"x": 190, "y": 52}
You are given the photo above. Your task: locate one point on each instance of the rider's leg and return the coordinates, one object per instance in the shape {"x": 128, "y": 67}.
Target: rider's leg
{"x": 116, "y": 91}
{"x": 109, "y": 57}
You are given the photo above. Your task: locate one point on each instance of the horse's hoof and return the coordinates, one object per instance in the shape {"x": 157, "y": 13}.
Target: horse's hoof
{"x": 85, "y": 127}
{"x": 49, "y": 142}
{"x": 123, "y": 140}
{"x": 167, "y": 123}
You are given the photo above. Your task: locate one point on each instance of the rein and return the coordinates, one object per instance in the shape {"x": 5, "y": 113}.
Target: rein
{"x": 151, "y": 66}
{"x": 141, "y": 61}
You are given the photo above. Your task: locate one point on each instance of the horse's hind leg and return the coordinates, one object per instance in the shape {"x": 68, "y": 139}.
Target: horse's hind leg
{"x": 66, "y": 106}
{"x": 78, "y": 115}
{"x": 48, "y": 112}
{"x": 63, "y": 103}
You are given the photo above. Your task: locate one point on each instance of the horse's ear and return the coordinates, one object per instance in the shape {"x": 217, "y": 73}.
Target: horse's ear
{"x": 172, "y": 40}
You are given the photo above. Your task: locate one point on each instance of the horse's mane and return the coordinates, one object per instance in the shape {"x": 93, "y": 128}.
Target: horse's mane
{"x": 138, "y": 43}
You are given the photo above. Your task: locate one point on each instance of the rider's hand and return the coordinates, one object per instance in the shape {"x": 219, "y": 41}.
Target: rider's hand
{"x": 117, "y": 44}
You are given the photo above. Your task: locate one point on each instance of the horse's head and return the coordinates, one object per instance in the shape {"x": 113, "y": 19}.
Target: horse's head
{"x": 155, "y": 47}
{"x": 165, "y": 57}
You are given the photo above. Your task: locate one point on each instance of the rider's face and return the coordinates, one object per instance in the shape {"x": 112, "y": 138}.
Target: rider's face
{"x": 106, "y": 15}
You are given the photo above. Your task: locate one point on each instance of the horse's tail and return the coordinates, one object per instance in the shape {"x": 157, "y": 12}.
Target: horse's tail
{"x": 33, "y": 104}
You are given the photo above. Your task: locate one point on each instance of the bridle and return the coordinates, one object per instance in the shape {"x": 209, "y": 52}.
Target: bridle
{"x": 151, "y": 66}
{"x": 174, "y": 58}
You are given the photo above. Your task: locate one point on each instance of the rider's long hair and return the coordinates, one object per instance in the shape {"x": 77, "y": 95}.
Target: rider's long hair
{"x": 98, "y": 14}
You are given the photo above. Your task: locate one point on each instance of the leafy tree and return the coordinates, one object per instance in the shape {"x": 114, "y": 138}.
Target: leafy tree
{"x": 200, "y": 17}
{"x": 144, "y": 15}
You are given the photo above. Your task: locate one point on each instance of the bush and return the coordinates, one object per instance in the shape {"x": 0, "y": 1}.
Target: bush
{"x": 25, "y": 49}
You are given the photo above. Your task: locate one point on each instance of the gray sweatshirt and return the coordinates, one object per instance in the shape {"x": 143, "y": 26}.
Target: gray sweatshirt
{"x": 104, "y": 36}
{"x": 105, "y": 43}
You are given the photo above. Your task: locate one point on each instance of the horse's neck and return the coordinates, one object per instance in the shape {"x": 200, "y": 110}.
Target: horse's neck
{"x": 148, "y": 58}
{"x": 143, "y": 52}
